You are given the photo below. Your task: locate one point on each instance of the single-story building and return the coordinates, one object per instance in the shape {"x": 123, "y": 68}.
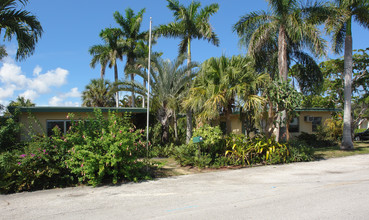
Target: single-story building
{"x": 44, "y": 118}
{"x": 308, "y": 121}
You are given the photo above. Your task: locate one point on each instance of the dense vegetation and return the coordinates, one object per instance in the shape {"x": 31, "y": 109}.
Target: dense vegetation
{"x": 264, "y": 87}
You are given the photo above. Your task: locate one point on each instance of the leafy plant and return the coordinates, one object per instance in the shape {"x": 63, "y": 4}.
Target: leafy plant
{"x": 257, "y": 150}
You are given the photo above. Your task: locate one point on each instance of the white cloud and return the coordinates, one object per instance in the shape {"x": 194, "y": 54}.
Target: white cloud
{"x": 11, "y": 74}
{"x": 43, "y": 82}
{"x": 72, "y": 93}
{"x": 55, "y": 101}
{"x": 7, "y": 92}
{"x": 30, "y": 94}
{"x": 59, "y": 100}
{"x": 14, "y": 82}
{"x": 37, "y": 70}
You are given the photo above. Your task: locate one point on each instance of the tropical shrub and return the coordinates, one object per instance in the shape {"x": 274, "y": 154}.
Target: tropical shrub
{"x": 313, "y": 140}
{"x": 332, "y": 131}
{"x": 9, "y": 134}
{"x": 257, "y": 150}
{"x": 300, "y": 151}
{"x": 39, "y": 165}
{"x": 93, "y": 151}
{"x": 202, "y": 154}
{"x": 105, "y": 150}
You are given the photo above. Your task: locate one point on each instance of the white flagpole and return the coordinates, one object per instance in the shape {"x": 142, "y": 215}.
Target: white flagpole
{"x": 148, "y": 93}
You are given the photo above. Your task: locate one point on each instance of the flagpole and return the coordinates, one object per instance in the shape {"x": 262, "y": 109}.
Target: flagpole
{"x": 148, "y": 94}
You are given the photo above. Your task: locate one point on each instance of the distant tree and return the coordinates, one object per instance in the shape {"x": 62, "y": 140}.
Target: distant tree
{"x": 339, "y": 23}
{"x": 22, "y": 102}
{"x": 108, "y": 53}
{"x": 19, "y": 23}
{"x": 168, "y": 83}
{"x": 190, "y": 23}
{"x": 99, "y": 93}
{"x": 130, "y": 36}
{"x": 289, "y": 26}
{"x": 221, "y": 83}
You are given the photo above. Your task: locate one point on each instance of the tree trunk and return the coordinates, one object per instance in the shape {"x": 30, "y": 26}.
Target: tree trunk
{"x": 189, "y": 113}
{"x": 283, "y": 73}
{"x": 133, "y": 92}
{"x": 102, "y": 72}
{"x": 347, "y": 138}
{"x": 270, "y": 122}
{"x": 143, "y": 97}
{"x": 116, "y": 80}
{"x": 175, "y": 126}
{"x": 228, "y": 114}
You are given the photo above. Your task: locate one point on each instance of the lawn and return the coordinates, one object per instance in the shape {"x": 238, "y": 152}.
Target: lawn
{"x": 360, "y": 147}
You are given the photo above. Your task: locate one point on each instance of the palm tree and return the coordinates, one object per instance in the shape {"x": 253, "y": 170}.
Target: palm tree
{"x": 190, "y": 23}
{"x": 108, "y": 53}
{"x": 142, "y": 51}
{"x": 286, "y": 24}
{"x": 100, "y": 54}
{"x": 339, "y": 23}
{"x": 99, "y": 93}
{"x": 21, "y": 23}
{"x": 221, "y": 83}
{"x": 130, "y": 36}
{"x": 169, "y": 80}
{"x": 22, "y": 102}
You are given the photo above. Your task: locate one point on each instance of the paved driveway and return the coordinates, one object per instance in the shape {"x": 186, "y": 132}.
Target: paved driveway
{"x": 328, "y": 189}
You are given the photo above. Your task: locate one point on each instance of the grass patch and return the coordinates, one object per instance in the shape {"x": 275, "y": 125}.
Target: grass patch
{"x": 360, "y": 147}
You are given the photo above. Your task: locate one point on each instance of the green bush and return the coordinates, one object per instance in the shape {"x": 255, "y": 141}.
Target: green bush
{"x": 300, "y": 151}
{"x": 203, "y": 154}
{"x": 105, "y": 150}
{"x": 40, "y": 165}
{"x": 9, "y": 135}
{"x": 256, "y": 150}
{"x": 93, "y": 151}
{"x": 313, "y": 140}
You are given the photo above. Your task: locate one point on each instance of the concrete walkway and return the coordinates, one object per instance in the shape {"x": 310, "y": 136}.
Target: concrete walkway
{"x": 328, "y": 189}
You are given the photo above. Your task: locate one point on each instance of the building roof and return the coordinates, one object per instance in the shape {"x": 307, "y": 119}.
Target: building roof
{"x": 75, "y": 109}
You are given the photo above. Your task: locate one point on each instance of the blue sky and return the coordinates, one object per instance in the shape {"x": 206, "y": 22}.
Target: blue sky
{"x": 59, "y": 69}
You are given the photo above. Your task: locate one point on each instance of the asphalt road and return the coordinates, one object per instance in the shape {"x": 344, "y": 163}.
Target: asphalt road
{"x": 328, "y": 189}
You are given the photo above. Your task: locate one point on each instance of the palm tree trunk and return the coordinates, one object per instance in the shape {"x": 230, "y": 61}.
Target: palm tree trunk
{"x": 228, "y": 114}
{"x": 102, "y": 72}
{"x": 189, "y": 113}
{"x": 116, "y": 80}
{"x": 175, "y": 126}
{"x": 347, "y": 138}
{"x": 143, "y": 97}
{"x": 283, "y": 72}
{"x": 133, "y": 92}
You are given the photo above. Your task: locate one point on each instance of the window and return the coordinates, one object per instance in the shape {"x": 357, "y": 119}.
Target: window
{"x": 317, "y": 121}
{"x": 294, "y": 125}
{"x": 63, "y": 125}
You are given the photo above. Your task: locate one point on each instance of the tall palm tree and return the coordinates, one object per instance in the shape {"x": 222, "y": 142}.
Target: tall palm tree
{"x": 168, "y": 82}
{"x": 339, "y": 23}
{"x": 130, "y": 36}
{"x": 21, "y": 23}
{"x": 99, "y": 93}
{"x": 286, "y": 24}
{"x": 222, "y": 82}
{"x": 108, "y": 53}
{"x": 190, "y": 23}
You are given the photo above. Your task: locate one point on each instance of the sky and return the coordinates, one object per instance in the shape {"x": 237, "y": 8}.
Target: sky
{"x": 58, "y": 71}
